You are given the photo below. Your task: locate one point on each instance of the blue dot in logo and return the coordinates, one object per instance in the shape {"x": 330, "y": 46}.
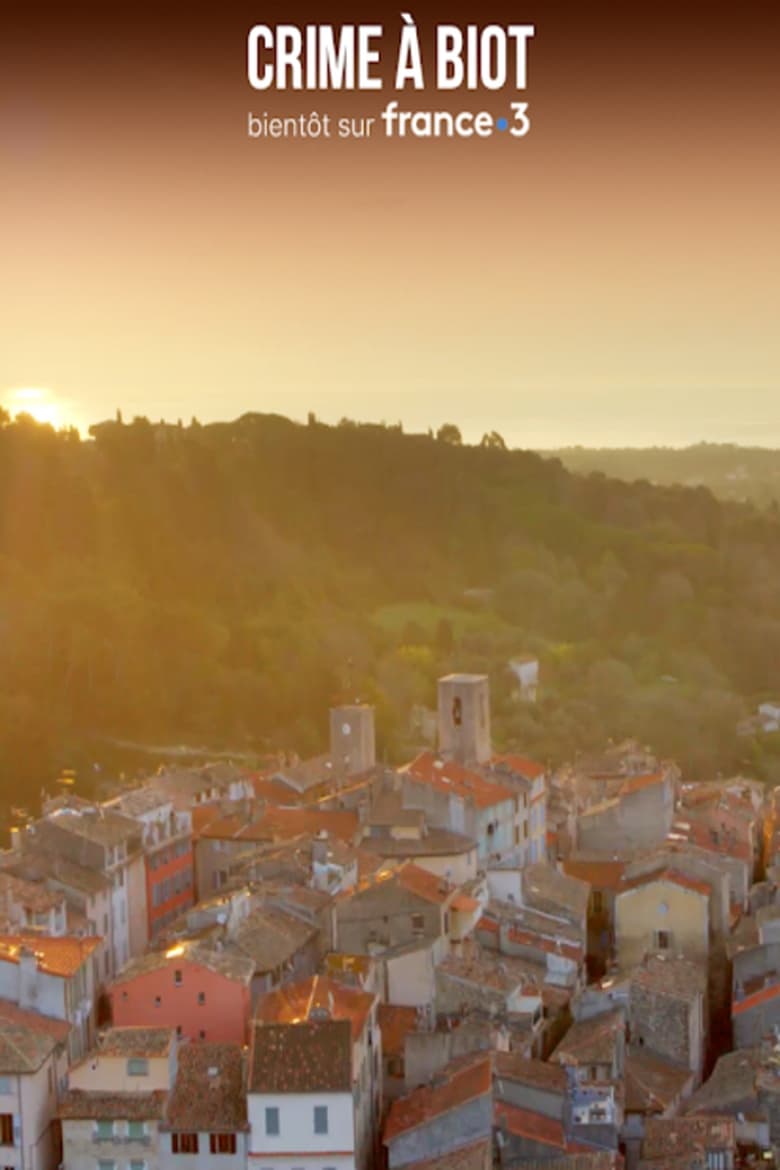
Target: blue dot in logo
{"x": 501, "y": 123}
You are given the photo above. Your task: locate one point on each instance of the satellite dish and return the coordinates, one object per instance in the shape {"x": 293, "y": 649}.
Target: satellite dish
{"x": 346, "y": 729}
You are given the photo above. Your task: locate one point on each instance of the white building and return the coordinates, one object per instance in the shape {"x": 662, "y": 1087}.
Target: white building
{"x": 314, "y": 1096}
{"x": 57, "y": 977}
{"x": 33, "y": 1068}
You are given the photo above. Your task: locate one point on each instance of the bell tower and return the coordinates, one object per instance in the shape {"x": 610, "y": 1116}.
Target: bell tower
{"x": 464, "y": 718}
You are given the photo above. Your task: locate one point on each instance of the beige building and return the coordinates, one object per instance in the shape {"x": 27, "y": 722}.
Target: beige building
{"x": 665, "y": 911}
{"x": 117, "y": 1099}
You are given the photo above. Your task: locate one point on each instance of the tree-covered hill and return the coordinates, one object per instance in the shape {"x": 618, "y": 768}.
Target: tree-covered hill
{"x": 224, "y": 584}
{"x": 729, "y": 471}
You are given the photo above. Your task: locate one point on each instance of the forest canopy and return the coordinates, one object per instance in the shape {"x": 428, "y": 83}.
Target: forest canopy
{"x": 225, "y": 584}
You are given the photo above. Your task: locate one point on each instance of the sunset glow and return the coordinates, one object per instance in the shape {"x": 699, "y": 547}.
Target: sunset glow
{"x": 40, "y": 404}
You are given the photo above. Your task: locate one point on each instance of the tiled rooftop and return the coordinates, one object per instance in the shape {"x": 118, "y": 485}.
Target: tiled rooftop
{"x": 90, "y": 1105}
{"x": 302, "y": 1056}
{"x": 475, "y": 1156}
{"x": 230, "y": 965}
{"x": 460, "y": 1082}
{"x": 61, "y": 956}
{"x": 22, "y": 1049}
{"x": 652, "y": 1085}
{"x": 671, "y": 975}
{"x": 134, "y": 1041}
{"x": 679, "y": 1136}
{"x": 591, "y": 1041}
{"x": 449, "y": 777}
{"x": 209, "y": 1093}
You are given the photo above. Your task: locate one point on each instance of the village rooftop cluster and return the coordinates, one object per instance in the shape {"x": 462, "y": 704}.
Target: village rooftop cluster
{"x": 462, "y": 963}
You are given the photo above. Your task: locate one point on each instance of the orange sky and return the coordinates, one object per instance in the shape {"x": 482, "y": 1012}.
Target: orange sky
{"x": 610, "y": 279}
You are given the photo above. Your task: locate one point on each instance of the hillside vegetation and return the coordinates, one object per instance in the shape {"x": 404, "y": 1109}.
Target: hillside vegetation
{"x": 225, "y": 584}
{"x": 729, "y": 471}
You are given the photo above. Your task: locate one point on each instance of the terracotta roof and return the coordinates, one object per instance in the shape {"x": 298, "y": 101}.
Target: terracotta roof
{"x": 529, "y": 1124}
{"x": 136, "y": 1041}
{"x": 451, "y": 777}
{"x": 230, "y": 965}
{"x": 672, "y": 876}
{"x": 652, "y": 1085}
{"x": 303, "y": 1057}
{"x": 61, "y": 956}
{"x": 492, "y": 971}
{"x": 676, "y": 1136}
{"x": 763, "y": 995}
{"x": 276, "y": 792}
{"x": 23, "y": 1050}
{"x": 91, "y": 1105}
{"x": 465, "y": 904}
{"x": 600, "y": 1160}
{"x": 305, "y": 999}
{"x": 269, "y": 937}
{"x": 671, "y": 975}
{"x": 637, "y": 783}
{"x": 512, "y": 1066}
{"x": 396, "y": 1021}
{"x": 289, "y": 822}
{"x": 525, "y": 767}
{"x": 203, "y": 815}
{"x": 543, "y": 883}
{"x": 11, "y": 1015}
{"x": 599, "y": 874}
{"x": 591, "y": 1041}
{"x": 732, "y": 1084}
{"x": 425, "y": 884}
{"x": 460, "y": 1082}
{"x": 209, "y": 1091}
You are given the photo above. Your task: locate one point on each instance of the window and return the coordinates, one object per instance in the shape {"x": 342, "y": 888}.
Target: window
{"x": 106, "y": 1164}
{"x": 184, "y": 1143}
{"x": 6, "y": 1129}
{"x": 137, "y": 1067}
{"x": 418, "y": 923}
{"x": 598, "y": 901}
{"x": 105, "y": 1129}
{"x": 716, "y": 1160}
{"x": 272, "y": 1121}
{"x": 663, "y": 940}
{"x": 178, "y": 978}
{"x": 201, "y": 997}
{"x": 5, "y": 1085}
{"x": 136, "y": 1130}
{"x": 136, "y": 1165}
{"x": 222, "y": 1143}
{"x": 157, "y": 1001}
{"x": 320, "y": 1119}
{"x": 201, "y": 1034}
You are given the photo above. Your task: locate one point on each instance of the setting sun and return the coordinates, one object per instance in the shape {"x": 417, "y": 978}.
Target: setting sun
{"x": 40, "y": 404}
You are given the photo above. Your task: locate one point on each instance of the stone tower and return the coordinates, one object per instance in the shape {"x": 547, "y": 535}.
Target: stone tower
{"x": 464, "y": 718}
{"x": 352, "y": 743}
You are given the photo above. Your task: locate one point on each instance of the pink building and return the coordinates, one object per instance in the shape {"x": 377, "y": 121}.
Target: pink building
{"x": 203, "y": 994}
